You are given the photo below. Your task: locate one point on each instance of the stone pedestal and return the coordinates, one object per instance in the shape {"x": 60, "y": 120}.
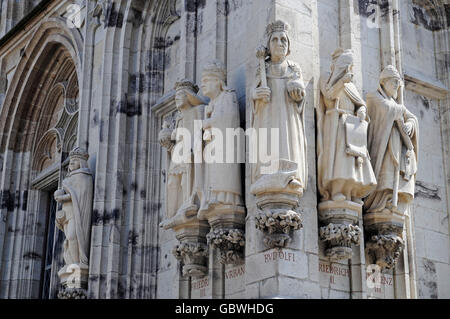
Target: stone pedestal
{"x": 339, "y": 230}
{"x": 277, "y": 197}
{"x": 227, "y": 232}
{"x": 74, "y": 281}
{"x": 192, "y": 250}
{"x": 384, "y": 236}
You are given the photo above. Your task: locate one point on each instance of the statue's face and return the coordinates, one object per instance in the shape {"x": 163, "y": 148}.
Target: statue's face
{"x": 391, "y": 86}
{"x": 211, "y": 86}
{"x": 278, "y": 46}
{"x": 180, "y": 98}
{"x": 74, "y": 164}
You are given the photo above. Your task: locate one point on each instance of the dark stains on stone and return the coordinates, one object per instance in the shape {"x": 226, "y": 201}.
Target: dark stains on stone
{"x": 113, "y": 18}
{"x": 7, "y": 200}
{"x": 129, "y": 107}
{"x": 193, "y": 5}
{"x": 429, "y": 19}
{"x": 367, "y": 8}
{"x": 31, "y": 255}
{"x": 143, "y": 194}
{"x": 429, "y": 279}
{"x": 134, "y": 187}
{"x": 105, "y": 217}
{"x": 133, "y": 238}
{"x": 24, "y": 200}
{"x": 426, "y": 190}
{"x": 425, "y": 102}
{"x": 13, "y": 200}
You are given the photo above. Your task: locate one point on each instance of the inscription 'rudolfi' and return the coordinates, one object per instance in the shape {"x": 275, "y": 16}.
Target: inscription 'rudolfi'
{"x": 279, "y": 255}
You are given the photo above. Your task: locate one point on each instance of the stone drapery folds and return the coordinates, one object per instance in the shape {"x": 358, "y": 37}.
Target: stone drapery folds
{"x": 74, "y": 219}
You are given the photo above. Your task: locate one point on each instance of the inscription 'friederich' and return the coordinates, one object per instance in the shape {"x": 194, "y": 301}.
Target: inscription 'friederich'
{"x": 199, "y": 284}
{"x": 334, "y": 270}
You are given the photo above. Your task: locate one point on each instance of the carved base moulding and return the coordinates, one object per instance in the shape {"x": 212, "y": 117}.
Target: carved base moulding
{"x": 192, "y": 250}
{"x": 384, "y": 233}
{"x": 74, "y": 281}
{"x": 227, "y": 232}
{"x": 277, "y": 218}
{"x": 340, "y": 230}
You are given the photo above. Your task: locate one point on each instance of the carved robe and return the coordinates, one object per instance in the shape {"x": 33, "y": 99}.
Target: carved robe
{"x": 285, "y": 114}
{"x": 76, "y": 215}
{"x": 223, "y": 180}
{"x": 184, "y": 178}
{"x": 338, "y": 156}
{"x": 389, "y": 152}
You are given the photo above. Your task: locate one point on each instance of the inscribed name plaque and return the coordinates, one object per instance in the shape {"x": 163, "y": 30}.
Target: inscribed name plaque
{"x": 234, "y": 280}
{"x": 334, "y": 275}
{"x": 274, "y": 262}
{"x": 200, "y": 288}
{"x": 380, "y": 286}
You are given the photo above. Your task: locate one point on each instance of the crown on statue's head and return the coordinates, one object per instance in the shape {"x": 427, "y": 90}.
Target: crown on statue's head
{"x": 79, "y": 153}
{"x": 186, "y": 84}
{"x": 216, "y": 69}
{"x": 277, "y": 26}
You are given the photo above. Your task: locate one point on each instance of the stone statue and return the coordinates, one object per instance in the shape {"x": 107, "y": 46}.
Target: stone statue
{"x": 184, "y": 177}
{"x": 345, "y": 174}
{"x": 184, "y": 187}
{"x": 222, "y": 180}
{"x": 393, "y": 147}
{"x": 74, "y": 218}
{"x": 222, "y": 204}
{"x": 279, "y": 103}
{"x": 279, "y": 100}
{"x": 344, "y": 168}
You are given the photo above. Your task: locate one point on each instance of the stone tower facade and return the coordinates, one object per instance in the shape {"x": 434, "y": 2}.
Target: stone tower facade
{"x": 96, "y": 97}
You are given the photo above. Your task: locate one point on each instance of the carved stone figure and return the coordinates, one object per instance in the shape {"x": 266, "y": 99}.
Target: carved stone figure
{"x": 345, "y": 174}
{"x": 279, "y": 103}
{"x": 185, "y": 180}
{"x": 184, "y": 177}
{"x": 222, "y": 204}
{"x": 74, "y": 219}
{"x": 393, "y": 147}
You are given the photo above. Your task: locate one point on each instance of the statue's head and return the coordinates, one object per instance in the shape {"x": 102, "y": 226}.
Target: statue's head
{"x": 186, "y": 94}
{"x": 78, "y": 159}
{"x": 342, "y": 64}
{"x": 213, "y": 79}
{"x": 391, "y": 81}
{"x": 278, "y": 42}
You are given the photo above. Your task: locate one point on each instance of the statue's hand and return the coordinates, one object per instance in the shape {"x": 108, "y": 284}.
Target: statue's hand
{"x": 407, "y": 128}
{"x": 262, "y": 94}
{"x": 296, "y": 91}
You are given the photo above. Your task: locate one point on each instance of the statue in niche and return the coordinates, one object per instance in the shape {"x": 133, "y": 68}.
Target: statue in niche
{"x": 222, "y": 203}
{"x": 279, "y": 99}
{"x": 279, "y": 102}
{"x": 222, "y": 180}
{"x": 74, "y": 218}
{"x": 393, "y": 146}
{"x": 184, "y": 177}
{"x": 344, "y": 168}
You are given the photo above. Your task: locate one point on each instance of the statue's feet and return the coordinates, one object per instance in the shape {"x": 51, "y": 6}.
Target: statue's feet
{"x": 339, "y": 197}
{"x": 357, "y": 200}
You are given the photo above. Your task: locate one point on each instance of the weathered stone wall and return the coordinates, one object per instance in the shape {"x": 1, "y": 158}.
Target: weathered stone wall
{"x": 127, "y": 56}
